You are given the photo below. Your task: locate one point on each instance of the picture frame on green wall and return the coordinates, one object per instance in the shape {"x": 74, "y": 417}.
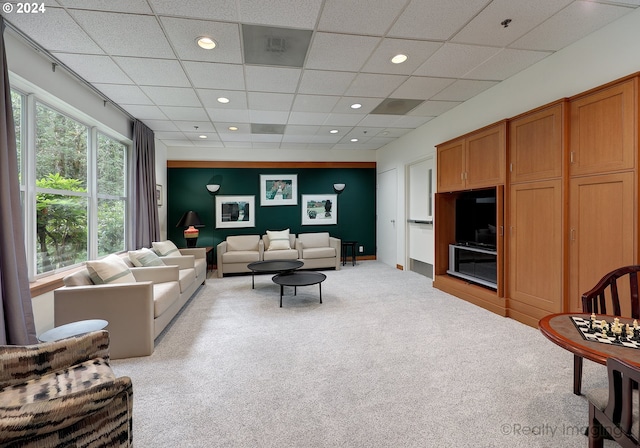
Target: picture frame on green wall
{"x": 278, "y": 189}
{"x": 235, "y": 211}
{"x": 319, "y": 209}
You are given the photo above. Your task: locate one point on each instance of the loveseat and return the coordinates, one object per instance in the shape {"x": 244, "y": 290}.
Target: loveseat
{"x": 139, "y": 304}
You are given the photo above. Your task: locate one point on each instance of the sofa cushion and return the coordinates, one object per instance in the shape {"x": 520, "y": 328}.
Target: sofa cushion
{"x": 165, "y": 248}
{"x": 110, "y": 269}
{"x": 76, "y": 378}
{"x": 240, "y": 256}
{"x": 145, "y": 257}
{"x": 164, "y": 295}
{"x": 243, "y": 243}
{"x": 80, "y": 278}
{"x": 318, "y": 252}
{"x": 290, "y": 254}
{"x": 320, "y": 239}
{"x": 278, "y": 240}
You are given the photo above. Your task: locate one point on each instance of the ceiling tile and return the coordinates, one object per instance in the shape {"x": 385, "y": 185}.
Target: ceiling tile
{"x": 505, "y": 64}
{"x": 233, "y": 115}
{"x": 322, "y": 82}
{"x": 95, "y": 68}
{"x": 166, "y": 135}
{"x": 340, "y": 51}
{"x": 237, "y": 98}
{"x": 153, "y": 72}
{"x": 270, "y": 101}
{"x": 189, "y": 126}
{"x": 124, "y": 94}
{"x": 215, "y": 76}
{"x": 572, "y": 23}
{"x": 125, "y": 34}
{"x": 223, "y": 128}
{"x": 486, "y": 28}
{"x": 417, "y": 52}
{"x": 294, "y": 129}
{"x": 161, "y": 125}
{"x": 287, "y": 13}
{"x": 185, "y": 113}
{"x": 309, "y": 118}
{"x": 195, "y": 137}
{"x": 435, "y": 19}
{"x": 374, "y": 85}
{"x": 345, "y": 16}
{"x": 143, "y": 112}
{"x": 47, "y": 32}
{"x": 131, "y": 6}
{"x": 462, "y": 90}
{"x": 183, "y": 34}
{"x": 314, "y": 103}
{"x": 420, "y": 87}
{"x": 380, "y": 121}
{"x": 343, "y": 119}
{"x": 172, "y": 96}
{"x": 454, "y": 60}
{"x": 202, "y": 9}
{"x": 269, "y": 116}
{"x": 413, "y": 122}
{"x": 343, "y": 106}
{"x": 433, "y": 108}
{"x": 272, "y": 79}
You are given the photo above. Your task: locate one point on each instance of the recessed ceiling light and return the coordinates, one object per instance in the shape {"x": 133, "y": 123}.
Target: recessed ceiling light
{"x": 356, "y": 106}
{"x": 399, "y": 58}
{"x": 202, "y": 136}
{"x": 223, "y": 100}
{"x": 233, "y": 128}
{"x": 354, "y": 140}
{"x": 333, "y": 131}
{"x": 206, "y": 42}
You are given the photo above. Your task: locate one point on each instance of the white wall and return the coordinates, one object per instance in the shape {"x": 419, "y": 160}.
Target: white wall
{"x": 606, "y": 55}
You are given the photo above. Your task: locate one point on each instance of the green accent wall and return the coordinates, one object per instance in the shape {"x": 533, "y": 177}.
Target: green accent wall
{"x": 186, "y": 190}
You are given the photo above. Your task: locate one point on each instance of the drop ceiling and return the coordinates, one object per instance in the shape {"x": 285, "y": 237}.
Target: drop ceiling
{"x": 285, "y": 92}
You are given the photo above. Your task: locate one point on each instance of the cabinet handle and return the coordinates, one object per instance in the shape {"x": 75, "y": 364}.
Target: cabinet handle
{"x": 572, "y": 235}
{"x": 511, "y": 167}
{"x": 571, "y": 159}
{"x": 501, "y": 230}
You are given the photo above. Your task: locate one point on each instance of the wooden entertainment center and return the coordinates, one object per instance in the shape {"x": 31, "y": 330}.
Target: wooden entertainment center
{"x": 566, "y": 185}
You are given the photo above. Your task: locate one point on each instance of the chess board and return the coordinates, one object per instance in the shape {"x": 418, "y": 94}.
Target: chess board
{"x": 583, "y": 327}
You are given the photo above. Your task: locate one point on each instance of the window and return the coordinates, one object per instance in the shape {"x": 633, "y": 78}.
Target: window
{"x": 74, "y": 186}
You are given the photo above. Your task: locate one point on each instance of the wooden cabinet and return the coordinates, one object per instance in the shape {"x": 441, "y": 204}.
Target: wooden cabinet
{"x": 536, "y": 142}
{"x": 602, "y": 129}
{"x": 535, "y": 247}
{"x": 601, "y": 230}
{"x": 476, "y": 160}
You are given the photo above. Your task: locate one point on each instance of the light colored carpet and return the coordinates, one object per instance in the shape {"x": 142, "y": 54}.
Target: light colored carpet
{"x": 385, "y": 361}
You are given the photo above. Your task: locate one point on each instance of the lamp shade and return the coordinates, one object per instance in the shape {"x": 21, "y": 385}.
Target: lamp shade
{"x": 213, "y": 187}
{"x": 338, "y": 188}
{"x": 190, "y": 218}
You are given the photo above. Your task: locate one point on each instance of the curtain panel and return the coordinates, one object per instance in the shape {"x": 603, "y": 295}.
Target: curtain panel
{"x": 146, "y": 223}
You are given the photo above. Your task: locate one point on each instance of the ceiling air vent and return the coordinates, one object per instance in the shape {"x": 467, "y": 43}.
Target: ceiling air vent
{"x": 266, "y": 45}
{"x": 265, "y": 128}
{"x": 396, "y": 106}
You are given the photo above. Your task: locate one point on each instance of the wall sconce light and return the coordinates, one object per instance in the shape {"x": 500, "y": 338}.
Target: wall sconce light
{"x": 213, "y": 188}
{"x": 190, "y": 220}
{"x": 339, "y": 188}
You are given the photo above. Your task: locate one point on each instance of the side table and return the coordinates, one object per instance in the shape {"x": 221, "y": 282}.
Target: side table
{"x": 73, "y": 329}
{"x": 345, "y": 246}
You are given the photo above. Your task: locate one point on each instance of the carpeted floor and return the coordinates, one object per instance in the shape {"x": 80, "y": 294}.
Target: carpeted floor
{"x": 385, "y": 361}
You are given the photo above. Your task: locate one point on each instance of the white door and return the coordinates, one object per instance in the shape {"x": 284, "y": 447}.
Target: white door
{"x": 387, "y": 200}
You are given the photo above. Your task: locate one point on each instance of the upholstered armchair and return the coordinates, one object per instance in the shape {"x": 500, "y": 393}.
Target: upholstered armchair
{"x": 63, "y": 393}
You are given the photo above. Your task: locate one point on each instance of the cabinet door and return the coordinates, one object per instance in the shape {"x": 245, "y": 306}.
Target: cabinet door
{"x": 602, "y": 130}
{"x": 485, "y": 158}
{"x": 451, "y": 166}
{"x": 601, "y": 230}
{"x": 535, "y": 145}
{"x": 535, "y": 245}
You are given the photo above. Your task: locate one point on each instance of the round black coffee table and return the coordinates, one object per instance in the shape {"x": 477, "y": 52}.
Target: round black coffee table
{"x": 299, "y": 278}
{"x": 273, "y": 267}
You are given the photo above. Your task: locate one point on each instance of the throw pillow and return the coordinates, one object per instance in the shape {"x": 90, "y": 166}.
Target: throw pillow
{"x": 279, "y": 240}
{"x": 165, "y": 248}
{"x": 110, "y": 269}
{"x": 145, "y": 257}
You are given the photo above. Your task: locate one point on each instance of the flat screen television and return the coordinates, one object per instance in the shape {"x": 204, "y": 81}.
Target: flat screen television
{"x": 476, "y": 218}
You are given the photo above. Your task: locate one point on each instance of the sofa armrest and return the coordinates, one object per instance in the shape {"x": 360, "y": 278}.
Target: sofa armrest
{"x": 128, "y": 307}
{"x": 182, "y": 261}
{"x": 261, "y": 250}
{"x": 19, "y": 363}
{"x": 299, "y": 247}
{"x": 156, "y": 274}
{"x": 336, "y": 244}
{"x": 198, "y": 252}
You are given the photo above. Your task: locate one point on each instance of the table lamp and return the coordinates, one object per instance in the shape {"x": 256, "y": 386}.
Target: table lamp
{"x": 190, "y": 220}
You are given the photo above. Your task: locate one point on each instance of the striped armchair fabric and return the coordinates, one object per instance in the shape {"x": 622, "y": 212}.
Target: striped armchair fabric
{"x": 64, "y": 394}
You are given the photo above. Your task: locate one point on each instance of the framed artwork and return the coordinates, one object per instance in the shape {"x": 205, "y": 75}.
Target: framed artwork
{"x": 235, "y": 211}
{"x": 158, "y": 195}
{"x": 319, "y": 209}
{"x": 278, "y": 189}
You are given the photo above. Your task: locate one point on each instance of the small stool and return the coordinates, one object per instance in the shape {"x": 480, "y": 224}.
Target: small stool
{"x": 73, "y": 329}
{"x": 352, "y": 245}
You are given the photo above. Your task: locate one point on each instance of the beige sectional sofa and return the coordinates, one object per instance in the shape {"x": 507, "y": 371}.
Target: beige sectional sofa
{"x": 138, "y": 310}
{"x": 318, "y": 250}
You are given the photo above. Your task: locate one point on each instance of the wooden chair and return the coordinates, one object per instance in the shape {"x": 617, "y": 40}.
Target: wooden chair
{"x": 614, "y": 413}
{"x": 595, "y": 301}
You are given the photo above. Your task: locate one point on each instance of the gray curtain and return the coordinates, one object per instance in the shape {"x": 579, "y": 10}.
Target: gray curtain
{"x": 18, "y": 327}
{"x": 146, "y": 224}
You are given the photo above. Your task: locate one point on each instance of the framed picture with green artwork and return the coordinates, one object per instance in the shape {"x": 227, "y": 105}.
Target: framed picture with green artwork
{"x": 278, "y": 189}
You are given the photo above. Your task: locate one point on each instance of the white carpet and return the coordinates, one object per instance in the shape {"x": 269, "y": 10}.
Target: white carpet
{"x": 385, "y": 361}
